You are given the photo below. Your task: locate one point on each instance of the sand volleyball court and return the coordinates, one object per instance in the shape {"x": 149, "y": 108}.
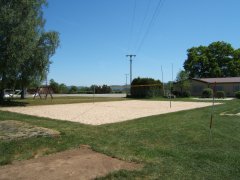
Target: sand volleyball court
{"x": 105, "y": 112}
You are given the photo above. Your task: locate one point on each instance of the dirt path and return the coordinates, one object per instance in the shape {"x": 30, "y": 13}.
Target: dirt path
{"x": 80, "y": 163}
{"x": 106, "y": 112}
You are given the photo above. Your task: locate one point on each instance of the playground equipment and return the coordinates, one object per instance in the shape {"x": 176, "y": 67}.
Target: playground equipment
{"x": 43, "y": 90}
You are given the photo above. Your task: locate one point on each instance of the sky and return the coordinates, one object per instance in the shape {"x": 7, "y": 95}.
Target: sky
{"x": 96, "y": 36}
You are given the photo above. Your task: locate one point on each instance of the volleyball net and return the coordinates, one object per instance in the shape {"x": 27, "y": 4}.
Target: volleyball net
{"x": 148, "y": 90}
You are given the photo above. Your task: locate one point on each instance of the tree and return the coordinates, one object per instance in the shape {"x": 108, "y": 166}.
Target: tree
{"x": 215, "y": 60}
{"x": 55, "y": 86}
{"x": 37, "y": 65}
{"x": 145, "y": 87}
{"x": 73, "y": 90}
{"x": 59, "y": 88}
{"x": 63, "y": 89}
{"x": 234, "y": 66}
{"x": 182, "y": 81}
{"x": 25, "y": 48}
{"x": 106, "y": 89}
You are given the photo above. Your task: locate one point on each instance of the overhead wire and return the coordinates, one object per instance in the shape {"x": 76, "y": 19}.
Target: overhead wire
{"x": 151, "y": 23}
{"x": 143, "y": 23}
{"x": 132, "y": 24}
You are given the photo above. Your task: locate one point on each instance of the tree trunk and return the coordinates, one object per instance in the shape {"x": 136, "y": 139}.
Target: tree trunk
{"x": 2, "y": 87}
{"x": 23, "y": 93}
{"x": 1, "y": 95}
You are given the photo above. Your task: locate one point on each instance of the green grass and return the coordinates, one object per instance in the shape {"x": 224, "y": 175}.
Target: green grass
{"x": 90, "y": 99}
{"x": 171, "y": 146}
{"x": 57, "y": 100}
{"x": 233, "y": 111}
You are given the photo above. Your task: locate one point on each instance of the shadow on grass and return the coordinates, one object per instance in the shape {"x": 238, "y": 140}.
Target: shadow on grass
{"x": 12, "y": 103}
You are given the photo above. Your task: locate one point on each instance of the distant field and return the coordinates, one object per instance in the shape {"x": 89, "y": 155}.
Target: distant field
{"x": 170, "y": 146}
{"x": 59, "y": 100}
{"x": 70, "y": 99}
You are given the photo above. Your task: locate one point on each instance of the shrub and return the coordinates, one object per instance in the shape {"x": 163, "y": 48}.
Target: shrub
{"x": 207, "y": 93}
{"x": 177, "y": 93}
{"x": 181, "y": 94}
{"x": 220, "y": 94}
{"x": 141, "y": 88}
{"x": 237, "y": 94}
{"x": 186, "y": 94}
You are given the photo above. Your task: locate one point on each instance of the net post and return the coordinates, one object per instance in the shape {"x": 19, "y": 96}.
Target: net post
{"x": 93, "y": 93}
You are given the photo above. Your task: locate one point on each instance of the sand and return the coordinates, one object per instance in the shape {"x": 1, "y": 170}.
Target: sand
{"x": 80, "y": 163}
{"x": 105, "y": 112}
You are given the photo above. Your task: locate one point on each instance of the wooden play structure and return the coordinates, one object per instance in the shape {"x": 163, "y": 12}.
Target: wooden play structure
{"x": 43, "y": 90}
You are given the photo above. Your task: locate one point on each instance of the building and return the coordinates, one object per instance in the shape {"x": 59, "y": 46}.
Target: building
{"x": 230, "y": 85}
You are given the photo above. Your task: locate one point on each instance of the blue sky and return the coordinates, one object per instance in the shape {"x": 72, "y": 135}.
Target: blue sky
{"x": 96, "y": 35}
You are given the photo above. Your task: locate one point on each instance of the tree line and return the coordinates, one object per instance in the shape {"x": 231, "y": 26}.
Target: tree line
{"x": 63, "y": 89}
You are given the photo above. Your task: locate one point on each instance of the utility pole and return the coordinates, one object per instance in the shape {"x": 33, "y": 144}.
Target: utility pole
{"x": 130, "y": 56}
{"x": 126, "y": 82}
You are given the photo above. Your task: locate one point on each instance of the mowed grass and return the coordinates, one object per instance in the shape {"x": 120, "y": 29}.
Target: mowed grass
{"x": 170, "y": 146}
{"x": 58, "y": 100}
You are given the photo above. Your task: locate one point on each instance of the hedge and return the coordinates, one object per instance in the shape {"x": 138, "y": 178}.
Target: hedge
{"x": 207, "y": 93}
{"x": 237, "y": 94}
{"x": 145, "y": 87}
{"x": 220, "y": 94}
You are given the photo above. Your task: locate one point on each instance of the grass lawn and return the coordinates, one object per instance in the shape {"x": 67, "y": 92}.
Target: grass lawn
{"x": 171, "y": 146}
{"x": 90, "y": 99}
{"x": 58, "y": 100}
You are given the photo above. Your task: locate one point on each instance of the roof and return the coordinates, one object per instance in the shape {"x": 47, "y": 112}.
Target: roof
{"x": 219, "y": 80}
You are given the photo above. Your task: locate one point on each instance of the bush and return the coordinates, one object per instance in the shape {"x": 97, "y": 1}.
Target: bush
{"x": 220, "y": 94}
{"x": 237, "y": 94}
{"x": 186, "y": 94}
{"x": 141, "y": 88}
{"x": 177, "y": 93}
{"x": 207, "y": 93}
{"x": 183, "y": 94}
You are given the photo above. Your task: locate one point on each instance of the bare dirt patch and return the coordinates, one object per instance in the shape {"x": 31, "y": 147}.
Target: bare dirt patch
{"x": 233, "y": 112}
{"x": 228, "y": 114}
{"x": 10, "y": 130}
{"x": 80, "y": 163}
{"x": 106, "y": 112}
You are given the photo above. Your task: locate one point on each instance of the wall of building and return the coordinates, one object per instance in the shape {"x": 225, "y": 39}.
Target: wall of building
{"x": 229, "y": 88}
{"x": 197, "y": 87}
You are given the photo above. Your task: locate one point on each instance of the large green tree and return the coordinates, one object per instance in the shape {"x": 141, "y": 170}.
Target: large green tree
{"x": 146, "y": 87}
{"x": 182, "y": 81}
{"x": 25, "y": 48}
{"x": 219, "y": 59}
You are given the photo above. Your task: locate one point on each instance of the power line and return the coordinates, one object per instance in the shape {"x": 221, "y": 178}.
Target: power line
{"x": 132, "y": 24}
{"x": 143, "y": 22}
{"x": 152, "y": 21}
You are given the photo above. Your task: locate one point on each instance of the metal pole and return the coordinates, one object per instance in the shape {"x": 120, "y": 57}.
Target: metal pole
{"x": 162, "y": 82}
{"x": 171, "y": 85}
{"x": 170, "y": 97}
{"x": 130, "y": 69}
{"x": 130, "y": 56}
{"x": 93, "y": 93}
{"x": 212, "y": 111}
{"x": 126, "y": 82}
